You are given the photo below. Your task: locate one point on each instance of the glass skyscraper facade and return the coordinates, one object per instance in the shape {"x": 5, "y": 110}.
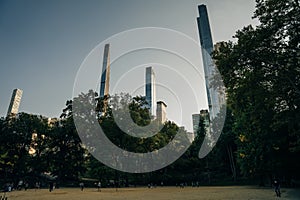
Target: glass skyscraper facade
{"x": 15, "y": 102}
{"x": 208, "y": 64}
{"x": 150, "y": 90}
{"x": 104, "y": 86}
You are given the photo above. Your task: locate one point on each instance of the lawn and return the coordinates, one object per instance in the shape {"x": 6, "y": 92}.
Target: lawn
{"x": 159, "y": 193}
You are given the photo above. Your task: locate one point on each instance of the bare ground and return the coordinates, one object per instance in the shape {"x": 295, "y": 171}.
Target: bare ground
{"x": 160, "y": 193}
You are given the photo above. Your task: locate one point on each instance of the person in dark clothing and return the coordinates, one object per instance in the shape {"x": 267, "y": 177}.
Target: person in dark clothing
{"x": 26, "y": 185}
{"x": 276, "y": 184}
{"x": 99, "y": 186}
{"x": 81, "y": 184}
{"x": 50, "y": 186}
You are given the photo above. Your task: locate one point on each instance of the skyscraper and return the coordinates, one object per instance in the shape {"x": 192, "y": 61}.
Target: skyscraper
{"x": 104, "y": 86}
{"x": 208, "y": 64}
{"x": 15, "y": 102}
{"x": 204, "y": 116}
{"x": 161, "y": 112}
{"x": 150, "y": 90}
{"x": 196, "y": 121}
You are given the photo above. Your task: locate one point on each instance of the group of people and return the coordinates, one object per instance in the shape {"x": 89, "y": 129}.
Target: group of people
{"x": 81, "y": 185}
{"x": 9, "y": 186}
{"x": 21, "y": 184}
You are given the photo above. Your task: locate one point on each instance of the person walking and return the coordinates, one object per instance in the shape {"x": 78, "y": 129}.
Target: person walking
{"x": 20, "y": 185}
{"x": 26, "y": 185}
{"x": 276, "y": 184}
{"x": 81, "y": 184}
{"x": 37, "y": 186}
{"x": 99, "y": 186}
{"x": 50, "y": 186}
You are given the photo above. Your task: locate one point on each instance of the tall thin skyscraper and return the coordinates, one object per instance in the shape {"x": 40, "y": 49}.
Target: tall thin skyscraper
{"x": 208, "y": 64}
{"x": 104, "y": 86}
{"x": 15, "y": 102}
{"x": 150, "y": 90}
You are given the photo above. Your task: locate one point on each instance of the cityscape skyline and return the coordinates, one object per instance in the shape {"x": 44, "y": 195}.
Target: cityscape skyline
{"x": 156, "y": 108}
{"x": 45, "y": 51}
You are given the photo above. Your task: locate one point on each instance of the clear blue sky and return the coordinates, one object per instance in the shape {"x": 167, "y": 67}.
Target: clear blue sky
{"x": 44, "y": 42}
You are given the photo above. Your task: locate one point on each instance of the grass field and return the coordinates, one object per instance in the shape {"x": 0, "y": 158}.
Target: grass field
{"x": 160, "y": 193}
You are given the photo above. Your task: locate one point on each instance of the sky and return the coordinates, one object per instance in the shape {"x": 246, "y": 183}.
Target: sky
{"x": 45, "y": 46}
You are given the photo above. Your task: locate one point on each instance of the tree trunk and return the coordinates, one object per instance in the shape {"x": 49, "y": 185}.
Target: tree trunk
{"x": 231, "y": 161}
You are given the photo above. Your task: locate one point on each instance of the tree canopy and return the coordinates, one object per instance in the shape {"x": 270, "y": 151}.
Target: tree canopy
{"x": 261, "y": 72}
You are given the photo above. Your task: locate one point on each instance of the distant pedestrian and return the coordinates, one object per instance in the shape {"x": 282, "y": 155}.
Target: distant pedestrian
{"x": 37, "y": 186}
{"x": 26, "y": 186}
{"x": 20, "y": 185}
{"x": 181, "y": 185}
{"x": 81, "y": 184}
{"x": 50, "y": 186}
{"x": 276, "y": 184}
{"x": 116, "y": 185}
{"x": 9, "y": 187}
{"x": 150, "y": 185}
{"x": 99, "y": 186}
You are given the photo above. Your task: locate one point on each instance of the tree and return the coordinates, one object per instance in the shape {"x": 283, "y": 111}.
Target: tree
{"x": 19, "y": 150}
{"x": 261, "y": 73}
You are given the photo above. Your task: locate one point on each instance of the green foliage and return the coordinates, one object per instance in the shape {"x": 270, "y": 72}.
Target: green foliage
{"x": 16, "y": 139}
{"x": 67, "y": 156}
{"x": 31, "y": 147}
{"x": 261, "y": 72}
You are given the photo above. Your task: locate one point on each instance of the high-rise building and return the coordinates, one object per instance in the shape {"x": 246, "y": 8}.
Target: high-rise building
{"x": 15, "y": 102}
{"x": 161, "y": 112}
{"x": 150, "y": 90}
{"x": 196, "y": 121}
{"x": 208, "y": 64}
{"x": 204, "y": 116}
{"x": 104, "y": 86}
